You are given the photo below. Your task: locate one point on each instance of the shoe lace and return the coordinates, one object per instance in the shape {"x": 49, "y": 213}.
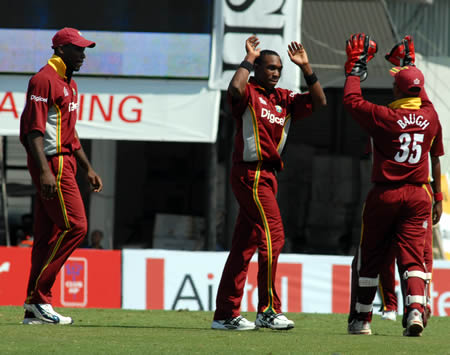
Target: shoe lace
{"x": 234, "y": 321}
{"x": 270, "y": 317}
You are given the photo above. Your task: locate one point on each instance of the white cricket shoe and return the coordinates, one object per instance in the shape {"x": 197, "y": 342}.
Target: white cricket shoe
{"x": 276, "y": 321}
{"x": 46, "y": 314}
{"x": 414, "y": 324}
{"x": 33, "y": 321}
{"x": 359, "y": 327}
{"x": 389, "y": 315}
{"x": 236, "y": 323}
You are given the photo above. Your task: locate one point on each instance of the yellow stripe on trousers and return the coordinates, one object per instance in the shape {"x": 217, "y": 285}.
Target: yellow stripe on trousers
{"x": 383, "y": 300}
{"x": 66, "y": 222}
{"x": 268, "y": 237}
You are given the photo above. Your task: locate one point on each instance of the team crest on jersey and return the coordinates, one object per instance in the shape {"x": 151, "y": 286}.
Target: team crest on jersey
{"x": 262, "y": 101}
{"x": 66, "y": 93}
{"x": 74, "y": 92}
{"x": 278, "y": 108}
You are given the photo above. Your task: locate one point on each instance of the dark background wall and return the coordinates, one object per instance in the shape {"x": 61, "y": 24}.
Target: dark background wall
{"x": 176, "y": 16}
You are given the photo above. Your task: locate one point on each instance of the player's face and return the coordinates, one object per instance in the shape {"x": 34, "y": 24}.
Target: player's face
{"x": 73, "y": 56}
{"x": 269, "y": 71}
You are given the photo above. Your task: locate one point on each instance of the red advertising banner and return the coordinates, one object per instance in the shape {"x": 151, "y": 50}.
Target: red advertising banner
{"x": 89, "y": 279}
{"x": 341, "y": 278}
{"x": 288, "y": 284}
{"x": 440, "y": 292}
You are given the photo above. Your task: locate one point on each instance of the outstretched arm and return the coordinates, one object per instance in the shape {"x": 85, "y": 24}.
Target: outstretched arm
{"x": 236, "y": 89}
{"x": 298, "y": 55}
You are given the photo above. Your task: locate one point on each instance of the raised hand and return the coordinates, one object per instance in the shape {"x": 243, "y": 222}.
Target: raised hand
{"x": 360, "y": 50}
{"x": 403, "y": 53}
{"x": 251, "y": 46}
{"x": 297, "y": 53}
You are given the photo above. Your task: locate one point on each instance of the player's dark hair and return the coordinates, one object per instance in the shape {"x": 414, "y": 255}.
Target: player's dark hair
{"x": 264, "y": 53}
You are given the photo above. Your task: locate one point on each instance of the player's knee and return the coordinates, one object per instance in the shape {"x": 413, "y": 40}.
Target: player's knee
{"x": 80, "y": 227}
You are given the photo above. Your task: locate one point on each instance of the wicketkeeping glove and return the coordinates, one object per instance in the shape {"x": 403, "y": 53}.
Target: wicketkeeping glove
{"x": 360, "y": 50}
{"x": 402, "y": 53}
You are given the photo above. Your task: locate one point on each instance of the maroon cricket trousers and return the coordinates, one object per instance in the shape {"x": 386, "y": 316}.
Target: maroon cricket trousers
{"x": 258, "y": 226}
{"x": 60, "y": 226}
{"x": 398, "y": 215}
{"x": 387, "y": 272}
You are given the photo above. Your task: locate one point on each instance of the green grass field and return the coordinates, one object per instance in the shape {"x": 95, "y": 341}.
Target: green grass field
{"x": 101, "y": 331}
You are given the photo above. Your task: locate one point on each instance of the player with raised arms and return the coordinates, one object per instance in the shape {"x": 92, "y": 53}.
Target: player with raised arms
{"x": 398, "y": 208}
{"x": 263, "y": 114}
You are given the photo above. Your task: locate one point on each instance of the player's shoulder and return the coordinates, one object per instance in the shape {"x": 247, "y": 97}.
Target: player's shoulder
{"x": 43, "y": 75}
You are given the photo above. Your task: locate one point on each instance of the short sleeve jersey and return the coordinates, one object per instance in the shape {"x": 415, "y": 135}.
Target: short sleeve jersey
{"x": 402, "y": 138}
{"x": 263, "y": 120}
{"x": 51, "y": 108}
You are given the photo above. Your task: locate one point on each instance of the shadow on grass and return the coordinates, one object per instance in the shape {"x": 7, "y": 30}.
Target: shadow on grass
{"x": 135, "y": 326}
{"x": 103, "y": 326}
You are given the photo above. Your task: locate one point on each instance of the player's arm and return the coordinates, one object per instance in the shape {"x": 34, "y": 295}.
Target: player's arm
{"x": 360, "y": 50}
{"x": 298, "y": 55}
{"x": 236, "y": 88}
{"x": 35, "y": 141}
{"x": 436, "y": 174}
{"x": 94, "y": 179}
{"x": 34, "y": 119}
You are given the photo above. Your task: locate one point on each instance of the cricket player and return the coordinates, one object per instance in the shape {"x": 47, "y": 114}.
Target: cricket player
{"x": 403, "y": 54}
{"x": 263, "y": 114}
{"x": 398, "y": 208}
{"x": 47, "y": 131}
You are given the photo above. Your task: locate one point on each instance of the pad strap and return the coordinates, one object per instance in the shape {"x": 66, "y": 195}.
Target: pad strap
{"x": 414, "y": 273}
{"x": 363, "y": 308}
{"x": 415, "y": 299}
{"x": 368, "y": 282}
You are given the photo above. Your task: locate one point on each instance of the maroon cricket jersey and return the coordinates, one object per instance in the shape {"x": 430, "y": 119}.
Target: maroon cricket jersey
{"x": 263, "y": 120}
{"x": 51, "y": 108}
{"x": 402, "y": 138}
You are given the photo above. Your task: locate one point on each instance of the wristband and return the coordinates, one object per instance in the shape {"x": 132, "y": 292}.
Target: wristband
{"x": 438, "y": 196}
{"x": 246, "y": 65}
{"x": 310, "y": 79}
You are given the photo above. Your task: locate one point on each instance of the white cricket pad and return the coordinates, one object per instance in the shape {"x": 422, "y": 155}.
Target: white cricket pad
{"x": 368, "y": 281}
{"x": 410, "y": 299}
{"x": 415, "y": 273}
{"x": 363, "y": 308}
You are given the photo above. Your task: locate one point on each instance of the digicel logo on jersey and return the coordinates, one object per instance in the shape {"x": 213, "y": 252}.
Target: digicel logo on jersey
{"x": 265, "y": 113}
